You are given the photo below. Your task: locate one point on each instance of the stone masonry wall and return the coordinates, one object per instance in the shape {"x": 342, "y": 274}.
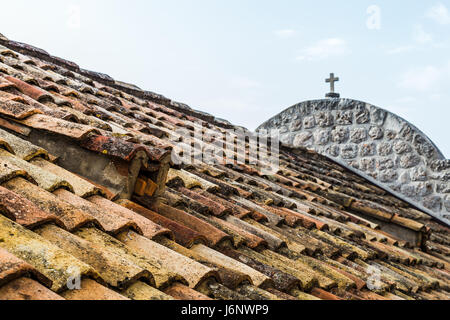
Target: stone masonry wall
{"x": 375, "y": 143}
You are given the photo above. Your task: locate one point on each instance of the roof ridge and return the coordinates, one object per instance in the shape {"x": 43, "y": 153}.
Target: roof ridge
{"x": 105, "y": 79}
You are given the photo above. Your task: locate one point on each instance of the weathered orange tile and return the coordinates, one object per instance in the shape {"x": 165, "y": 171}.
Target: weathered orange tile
{"x": 23, "y": 211}
{"x": 214, "y": 208}
{"x": 110, "y": 222}
{"x": 148, "y": 227}
{"x": 92, "y": 290}
{"x": 214, "y": 235}
{"x": 12, "y": 268}
{"x": 31, "y": 91}
{"x": 324, "y": 295}
{"x": 182, "y": 292}
{"x": 47, "y": 123}
{"x": 27, "y": 289}
{"x": 71, "y": 217}
{"x": 183, "y": 235}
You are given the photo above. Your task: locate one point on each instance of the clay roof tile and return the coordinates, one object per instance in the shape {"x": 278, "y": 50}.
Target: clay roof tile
{"x": 110, "y": 222}
{"x": 182, "y": 234}
{"x": 92, "y": 290}
{"x": 121, "y": 149}
{"x": 113, "y": 268}
{"x": 17, "y": 110}
{"x": 27, "y": 289}
{"x": 80, "y": 187}
{"x": 22, "y": 148}
{"x": 44, "y": 179}
{"x": 71, "y": 217}
{"x": 47, "y": 123}
{"x": 214, "y": 235}
{"x": 194, "y": 272}
{"x": 23, "y": 211}
{"x": 149, "y": 228}
{"x": 48, "y": 259}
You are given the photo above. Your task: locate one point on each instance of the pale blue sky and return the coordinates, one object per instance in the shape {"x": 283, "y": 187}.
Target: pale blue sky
{"x": 247, "y": 60}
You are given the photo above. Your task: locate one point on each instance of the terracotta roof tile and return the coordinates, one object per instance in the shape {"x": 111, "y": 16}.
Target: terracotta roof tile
{"x": 149, "y": 228}
{"x": 211, "y": 206}
{"x": 342, "y": 280}
{"x": 249, "y": 239}
{"x": 26, "y": 289}
{"x": 92, "y": 290}
{"x": 306, "y": 273}
{"x": 142, "y": 291}
{"x": 12, "y": 268}
{"x": 70, "y": 216}
{"x": 111, "y": 223}
{"x": 182, "y": 234}
{"x": 181, "y": 292}
{"x": 31, "y": 91}
{"x": 65, "y": 128}
{"x": 194, "y": 272}
{"x": 256, "y": 293}
{"x": 234, "y": 209}
{"x": 163, "y": 275}
{"x": 324, "y": 295}
{"x": 214, "y": 235}
{"x": 13, "y": 126}
{"x": 273, "y": 241}
{"x": 17, "y": 110}
{"x": 191, "y": 180}
{"x": 48, "y": 259}
{"x": 80, "y": 187}
{"x": 121, "y": 149}
{"x": 313, "y": 226}
{"x": 259, "y": 211}
{"x": 23, "y": 211}
{"x": 224, "y": 261}
{"x": 22, "y": 148}
{"x": 45, "y": 179}
{"x": 115, "y": 269}
{"x": 282, "y": 281}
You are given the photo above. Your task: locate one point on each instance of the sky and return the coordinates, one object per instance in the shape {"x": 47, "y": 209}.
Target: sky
{"x": 248, "y": 60}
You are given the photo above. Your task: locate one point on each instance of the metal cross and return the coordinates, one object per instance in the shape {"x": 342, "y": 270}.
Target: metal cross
{"x": 332, "y": 80}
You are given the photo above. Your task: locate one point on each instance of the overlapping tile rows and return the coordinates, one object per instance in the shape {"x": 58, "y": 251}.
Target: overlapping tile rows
{"x": 312, "y": 230}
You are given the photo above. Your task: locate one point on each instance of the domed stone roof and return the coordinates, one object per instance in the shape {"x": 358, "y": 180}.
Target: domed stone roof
{"x": 374, "y": 143}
